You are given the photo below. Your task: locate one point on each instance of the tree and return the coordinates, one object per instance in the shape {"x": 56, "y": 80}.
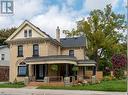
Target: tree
{"x": 102, "y": 32}
{"x": 5, "y": 33}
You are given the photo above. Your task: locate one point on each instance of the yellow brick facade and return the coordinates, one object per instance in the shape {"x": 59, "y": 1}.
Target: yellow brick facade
{"x": 46, "y": 48}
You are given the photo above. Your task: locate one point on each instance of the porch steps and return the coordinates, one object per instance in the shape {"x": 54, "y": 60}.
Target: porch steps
{"x": 46, "y": 84}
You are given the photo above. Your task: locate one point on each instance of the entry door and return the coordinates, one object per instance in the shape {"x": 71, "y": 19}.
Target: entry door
{"x": 40, "y": 71}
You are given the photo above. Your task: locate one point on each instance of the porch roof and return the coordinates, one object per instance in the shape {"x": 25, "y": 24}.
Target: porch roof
{"x": 55, "y": 59}
{"x": 86, "y": 63}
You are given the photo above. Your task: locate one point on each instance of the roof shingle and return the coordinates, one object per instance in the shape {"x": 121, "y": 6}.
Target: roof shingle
{"x": 73, "y": 42}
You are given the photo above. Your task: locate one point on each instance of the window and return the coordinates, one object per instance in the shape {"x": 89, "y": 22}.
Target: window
{"x": 30, "y": 33}
{"x": 22, "y": 70}
{"x": 71, "y": 52}
{"x": 35, "y": 50}
{"x": 20, "y": 51}
{"x": 2, "y": 56}
{"x": 25, "y": 33}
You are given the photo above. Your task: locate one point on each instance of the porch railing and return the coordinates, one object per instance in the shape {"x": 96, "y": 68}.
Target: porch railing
{"x": 55, "y": 78}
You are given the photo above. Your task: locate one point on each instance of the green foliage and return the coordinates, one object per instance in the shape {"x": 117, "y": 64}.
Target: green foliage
{"x": 12, "y": 85}
{"x": 113, "y": 85}
{"x": 106, "y": 78}
{"x": 102, "y": 32}
{"x": 54, "y": 68}
{"x": 105, "y": 65}
{"x": 74, "y": 69}
{"x": 119, "y": 73}
{"x": 5, "y": 33}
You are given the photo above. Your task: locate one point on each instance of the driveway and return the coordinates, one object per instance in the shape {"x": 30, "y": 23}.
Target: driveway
{"x": 26, "y": 91}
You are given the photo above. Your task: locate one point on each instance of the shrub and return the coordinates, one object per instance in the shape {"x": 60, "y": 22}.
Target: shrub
{"x": 105, "y": 65}
{"x": 119, "y": 73}
{"x": 107, "y": 78}
{"x": 119, "y": 62}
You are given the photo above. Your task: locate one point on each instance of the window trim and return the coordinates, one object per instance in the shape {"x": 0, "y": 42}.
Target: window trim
{"x": 2, "y": 57}
{"x": 25, "y": 33}
{"x": 72, "y": 55}
{"x": 18, "y": 55}
{"x": 36, "y": 50}
{"x": 30, "y": 32}
{"x": 19, "y": 75}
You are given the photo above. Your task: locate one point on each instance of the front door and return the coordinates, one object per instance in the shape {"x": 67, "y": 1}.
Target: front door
{"x": 40, "y": 72}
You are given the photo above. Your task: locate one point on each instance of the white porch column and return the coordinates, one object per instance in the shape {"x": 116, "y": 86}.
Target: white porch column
{"x": 30, "y": 70}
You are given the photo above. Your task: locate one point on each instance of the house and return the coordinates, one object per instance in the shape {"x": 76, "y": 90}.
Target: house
{"x": 4, "y": 63}
{"x": 36, "y": 55}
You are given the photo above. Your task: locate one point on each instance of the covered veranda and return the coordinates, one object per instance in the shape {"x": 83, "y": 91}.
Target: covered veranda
{"x": 50, "y": 68}
{"x": 87, "y": 69}
{"x": 56, "y": 68}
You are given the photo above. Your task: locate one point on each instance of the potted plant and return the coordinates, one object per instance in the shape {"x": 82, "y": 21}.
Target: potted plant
{"x": 54, "y": 68}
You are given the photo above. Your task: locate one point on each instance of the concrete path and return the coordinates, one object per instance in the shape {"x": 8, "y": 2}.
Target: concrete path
{"x": 26, "y": 91}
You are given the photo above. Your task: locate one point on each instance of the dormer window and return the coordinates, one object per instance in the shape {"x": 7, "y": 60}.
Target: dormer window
{"x": 30, "y": 33}
{"x": 25, "y": 33}
{"x": 71, "y": 53}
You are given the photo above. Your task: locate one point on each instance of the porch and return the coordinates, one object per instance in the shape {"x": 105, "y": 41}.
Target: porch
{"x": 50, "y": 72}
{"x": 58, "y": 69}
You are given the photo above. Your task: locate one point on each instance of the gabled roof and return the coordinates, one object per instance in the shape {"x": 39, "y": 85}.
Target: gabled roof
{"x": 73, "y": 42}
{"x": 26, "y": 22}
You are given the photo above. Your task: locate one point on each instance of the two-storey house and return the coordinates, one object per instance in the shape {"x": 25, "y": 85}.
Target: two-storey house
{"x": 37, "y": 55}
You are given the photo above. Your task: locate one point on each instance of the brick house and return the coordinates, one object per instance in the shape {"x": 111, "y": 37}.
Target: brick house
{"x": 36, "y": 55}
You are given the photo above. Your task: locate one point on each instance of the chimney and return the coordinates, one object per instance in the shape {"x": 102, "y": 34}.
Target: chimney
{"x": 58, "y": 34}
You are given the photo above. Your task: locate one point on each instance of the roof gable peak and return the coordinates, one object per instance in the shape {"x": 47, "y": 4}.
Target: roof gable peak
{"x": 36, "y": 29}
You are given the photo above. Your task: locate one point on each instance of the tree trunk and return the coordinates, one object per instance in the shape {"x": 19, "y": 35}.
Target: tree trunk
{"x": 96, "y": 59}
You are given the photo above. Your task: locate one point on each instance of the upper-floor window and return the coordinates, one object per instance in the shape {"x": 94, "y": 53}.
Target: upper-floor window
{"x": 35, "y": 50}
{"x": 20, "y": 51}
{"x": 2, "y": 56}
{"x": 71, "y": 52}
{"x": 30, "y": 33}
{"x": 25, "y": 33}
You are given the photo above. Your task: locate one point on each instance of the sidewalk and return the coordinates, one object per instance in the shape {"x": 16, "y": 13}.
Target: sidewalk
{"x": 27, "y": 91}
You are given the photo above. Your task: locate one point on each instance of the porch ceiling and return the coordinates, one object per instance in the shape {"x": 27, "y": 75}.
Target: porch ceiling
{"x": 57, "y": 59}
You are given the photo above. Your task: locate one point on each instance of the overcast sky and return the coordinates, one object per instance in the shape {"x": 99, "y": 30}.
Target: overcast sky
{"x": 48, "y": 14}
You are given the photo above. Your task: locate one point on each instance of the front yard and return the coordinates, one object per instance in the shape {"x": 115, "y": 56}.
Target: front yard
{"x": 12, "y": 85}
{"x": 113, "y": 85}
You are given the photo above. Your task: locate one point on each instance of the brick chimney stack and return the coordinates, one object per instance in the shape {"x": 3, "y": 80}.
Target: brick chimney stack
{"x": 58, "y": 34}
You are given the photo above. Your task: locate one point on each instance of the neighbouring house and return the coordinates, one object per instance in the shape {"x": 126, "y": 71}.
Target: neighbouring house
{"x": 36, "y": 55}
{"x": 4, "y": 62}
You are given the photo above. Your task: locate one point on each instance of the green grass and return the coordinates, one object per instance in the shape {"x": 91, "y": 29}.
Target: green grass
{"x": 12, "y": 85}
{"x": 113, "y": 85}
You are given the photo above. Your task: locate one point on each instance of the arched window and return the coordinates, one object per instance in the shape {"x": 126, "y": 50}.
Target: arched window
{"x": 22, "y": 69}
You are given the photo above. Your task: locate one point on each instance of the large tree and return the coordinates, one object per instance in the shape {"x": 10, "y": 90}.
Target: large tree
{"x": 102, "y": 32}
{"x": 5, "y": 33}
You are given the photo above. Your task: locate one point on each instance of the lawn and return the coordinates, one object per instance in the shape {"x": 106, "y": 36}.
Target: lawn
{"x": 113, "y": 85}
{"x": 12, "y": 85}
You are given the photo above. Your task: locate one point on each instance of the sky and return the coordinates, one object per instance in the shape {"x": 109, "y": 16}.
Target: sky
{"x": 48, "y": 14}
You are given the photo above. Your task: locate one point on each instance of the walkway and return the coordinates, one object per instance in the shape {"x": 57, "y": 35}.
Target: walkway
{"x": 26, "y": 91}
